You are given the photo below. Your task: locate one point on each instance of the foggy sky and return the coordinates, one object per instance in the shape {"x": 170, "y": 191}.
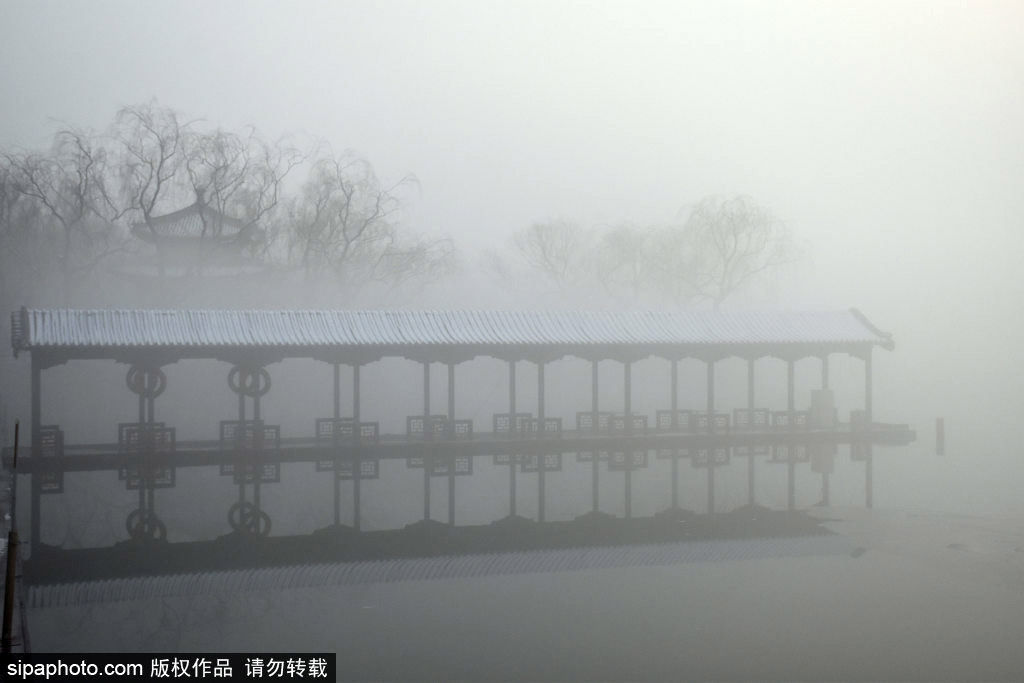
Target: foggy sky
{"x": 888, "y": 135}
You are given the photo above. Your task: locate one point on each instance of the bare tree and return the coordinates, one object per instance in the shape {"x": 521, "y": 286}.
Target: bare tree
{"x": 344, "y": 224}
{"x": 25, "y": 260}
{"x": 560, "y": 250}
{"x": 622, "y": 265}
{"x": 69, "y": 188}
{"x": 239, "y": 176}
{"x": 150, "y": 142}
{"x": 723, "y": 247}
{"x": 65, "y": 210}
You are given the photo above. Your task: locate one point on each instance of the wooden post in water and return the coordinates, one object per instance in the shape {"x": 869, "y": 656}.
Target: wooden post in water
{"x": 12, "y": 559}
{"x": 12, "y": 570}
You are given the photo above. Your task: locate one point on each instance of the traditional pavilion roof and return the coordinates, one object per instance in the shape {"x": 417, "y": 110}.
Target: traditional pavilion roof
{"x": 193, "y": 222}
{"x": 484, "y": 331}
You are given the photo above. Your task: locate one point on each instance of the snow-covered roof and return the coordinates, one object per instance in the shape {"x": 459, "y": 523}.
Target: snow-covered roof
{"x": 341, "y": 329}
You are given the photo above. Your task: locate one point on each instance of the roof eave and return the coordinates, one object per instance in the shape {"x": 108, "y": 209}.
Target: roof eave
{"x": 885, "y": 338}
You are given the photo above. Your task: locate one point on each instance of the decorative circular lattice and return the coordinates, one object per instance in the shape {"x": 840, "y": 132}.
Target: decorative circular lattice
{"x": 143, "y": 525}
{"x": 252, "y": 382}
{"x": 245, "y": 518}
{"x": 146, "y": 382}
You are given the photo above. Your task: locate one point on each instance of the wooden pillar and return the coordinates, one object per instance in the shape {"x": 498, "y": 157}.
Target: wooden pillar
{"x": 355, "y": 394}
{"x": 595, "y": 455}
{"x": 627, "y": 367}
{"x": 711, "y": 430}
{"x": 512, "y": 431}
{"x": 337, "y": 463}
{"x": 356, "y": 454}
{"x": 241, "y": 396}
{"x": 451, "y": 437}
{"x": 791, "y": 465}
{"x": 426, "y": 389}
{"x": 241, "y": 418}
{"x": 750, "y": 453}
{"x": 869, "y": 492}
{"x": 426, "y": 456}
{"x": 675, "y": 426}
{"x": 540, "y": 437}
{"x": 142, "y": 420}
{"x": 36, "y": 481}
{"x": 256, "y": 399}
{"x": 825, "y": 493}
{"x": 256, "y": 416}
{"x": 142, "y": 394}
{"x": 337, "y": 391}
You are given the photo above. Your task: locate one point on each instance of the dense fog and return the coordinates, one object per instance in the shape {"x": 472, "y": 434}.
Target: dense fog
{"x": 882, "y": 141}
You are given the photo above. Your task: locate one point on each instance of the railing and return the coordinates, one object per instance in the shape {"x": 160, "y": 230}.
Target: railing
{"x": 637, "y": 423}
{"x": 507, "y": 424}
{"x": 552, "y": 426}
{"x": 797, "y": 420}
{"x": 663, "y": 420}
{"x": 750, "y": 420}
{"x": 437, "y": 428}
{"x": 585, "y": 421}
{"x": 699, "y": 424}
{"x": 139, "y": 439}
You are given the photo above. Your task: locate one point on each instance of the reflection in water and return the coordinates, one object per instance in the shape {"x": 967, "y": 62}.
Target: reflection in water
{"x": 159, "y": 613}
{"x": 622, "y": 483}
{"x": 645, "y": 500}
